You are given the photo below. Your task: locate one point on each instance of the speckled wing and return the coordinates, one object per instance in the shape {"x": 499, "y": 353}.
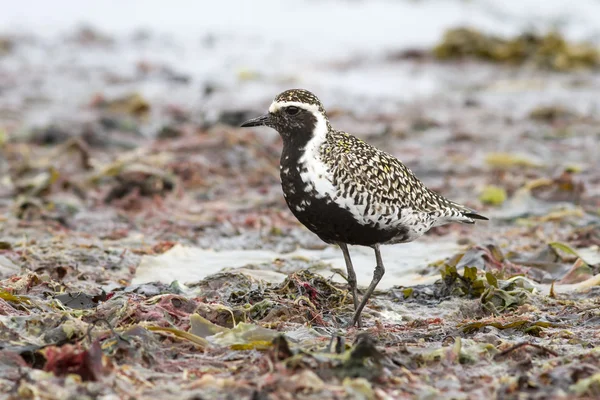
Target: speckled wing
{"x": 380, "y": 180}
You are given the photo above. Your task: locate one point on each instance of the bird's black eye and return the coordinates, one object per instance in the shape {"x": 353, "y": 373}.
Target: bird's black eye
{"x": 291, "y": 110}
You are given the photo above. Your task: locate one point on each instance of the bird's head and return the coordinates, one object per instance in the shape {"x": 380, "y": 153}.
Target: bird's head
{"x": 296, "y": 114}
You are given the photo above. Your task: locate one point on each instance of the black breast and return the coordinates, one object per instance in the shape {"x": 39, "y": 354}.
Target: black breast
{"x": 321, "y": 215}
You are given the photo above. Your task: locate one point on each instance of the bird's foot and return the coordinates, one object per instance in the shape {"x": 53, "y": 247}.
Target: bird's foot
{"x": 356, "y": 320}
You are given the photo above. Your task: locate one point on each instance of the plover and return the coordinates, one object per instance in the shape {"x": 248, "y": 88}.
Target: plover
{"x": 347, "y": 191}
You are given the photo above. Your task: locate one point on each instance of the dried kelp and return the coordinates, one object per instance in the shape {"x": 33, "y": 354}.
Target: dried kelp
{"x": 549, "y": 51}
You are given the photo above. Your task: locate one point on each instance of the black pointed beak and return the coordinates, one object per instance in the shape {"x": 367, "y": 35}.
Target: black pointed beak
{"x": 258, "y": 121}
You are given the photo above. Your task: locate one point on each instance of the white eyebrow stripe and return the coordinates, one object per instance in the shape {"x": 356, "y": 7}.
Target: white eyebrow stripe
{"x": 276, "y": 105}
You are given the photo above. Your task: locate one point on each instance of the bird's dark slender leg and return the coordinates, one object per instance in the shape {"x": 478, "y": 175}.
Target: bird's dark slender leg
{"x": 351, "y": 275}
{"x": 377, "y": 275}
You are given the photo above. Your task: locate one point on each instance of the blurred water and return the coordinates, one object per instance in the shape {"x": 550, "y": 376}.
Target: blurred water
{"x": 335, "y": 48}
{"x": 319, "y": 26}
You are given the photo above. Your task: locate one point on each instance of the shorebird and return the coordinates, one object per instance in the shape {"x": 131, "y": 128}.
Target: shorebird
{"x": 347, "y": 191}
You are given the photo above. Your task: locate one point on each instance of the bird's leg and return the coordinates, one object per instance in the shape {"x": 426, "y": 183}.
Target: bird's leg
{"x": 351, "y": 274}
{"x": 377, "y": 275}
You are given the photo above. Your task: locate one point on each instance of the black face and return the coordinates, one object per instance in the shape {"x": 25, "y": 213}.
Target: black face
{"x": 294, "y": 124}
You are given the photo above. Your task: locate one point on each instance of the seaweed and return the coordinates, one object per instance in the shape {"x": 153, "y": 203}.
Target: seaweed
{"x": 550, "y": 51}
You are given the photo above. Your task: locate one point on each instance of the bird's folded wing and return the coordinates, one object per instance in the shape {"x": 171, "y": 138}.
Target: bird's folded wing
{"x": 384, "y": 179}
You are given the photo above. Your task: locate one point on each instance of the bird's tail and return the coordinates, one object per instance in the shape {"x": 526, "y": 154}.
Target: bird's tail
{"x": 472, "y": 216}
{"x": 468, "y": 215}
{"x": 459, "y": 213}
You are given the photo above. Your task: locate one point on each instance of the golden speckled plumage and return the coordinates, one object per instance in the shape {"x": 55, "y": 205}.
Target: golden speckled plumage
{"x": 383, "y": 176}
